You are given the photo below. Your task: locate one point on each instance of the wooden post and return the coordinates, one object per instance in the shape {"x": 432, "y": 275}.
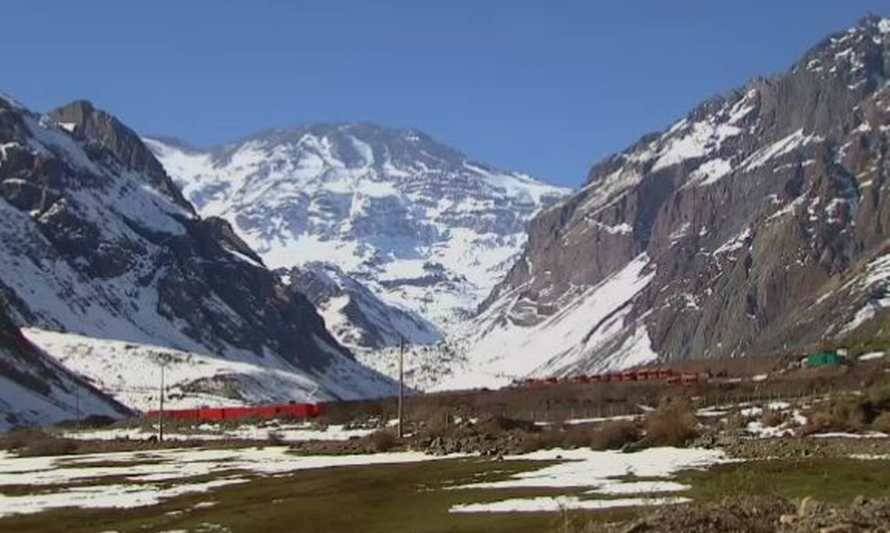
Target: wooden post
{"x": 401, "y": 386}
{"x": 161, "y": 410}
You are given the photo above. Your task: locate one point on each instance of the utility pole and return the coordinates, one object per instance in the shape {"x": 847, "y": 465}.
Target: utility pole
{"x": 43, "y": 196}
{"x": 401, "y": 385}
{"x": 77, "y": 405}
{"x": 161, "y": 410}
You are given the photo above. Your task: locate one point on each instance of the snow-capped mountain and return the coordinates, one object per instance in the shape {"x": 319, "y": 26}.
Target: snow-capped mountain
{"x": 425, "y": 229}
{"x": 756, "y": 224}
{"x": 113, "y": 273}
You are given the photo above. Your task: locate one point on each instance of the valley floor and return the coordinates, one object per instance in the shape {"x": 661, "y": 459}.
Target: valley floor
{"x": 733, "y": 455}
{"x": 272, "y": 489}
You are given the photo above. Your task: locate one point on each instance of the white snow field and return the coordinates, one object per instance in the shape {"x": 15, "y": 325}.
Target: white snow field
{"x": 561, "y": 503}
{"x": 601, "y": 472}
{"x": 284, "y": 432}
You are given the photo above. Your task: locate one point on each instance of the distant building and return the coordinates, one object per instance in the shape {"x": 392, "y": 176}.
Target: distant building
{"x": 827, "y": 358}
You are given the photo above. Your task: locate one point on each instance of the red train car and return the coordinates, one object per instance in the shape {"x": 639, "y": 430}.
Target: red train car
{"x": 665, "y": 373}
{"x": 644, "y": 374}
{"x": 262, "y": 412}
{"x": 628, "y": 375}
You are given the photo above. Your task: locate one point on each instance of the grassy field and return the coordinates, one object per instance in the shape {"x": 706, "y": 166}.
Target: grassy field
{"x": 373, "y": 499}
{"x": 837, "y": 480}
{"x": 413, "y": 497}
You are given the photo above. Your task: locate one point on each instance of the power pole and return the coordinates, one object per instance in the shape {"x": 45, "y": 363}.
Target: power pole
{"x": 401, "y": 385}
{"x": 161, "y": 410}
{"x": 43, "y": 196}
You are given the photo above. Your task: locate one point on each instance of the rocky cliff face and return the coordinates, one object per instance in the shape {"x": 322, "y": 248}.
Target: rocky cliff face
{"x": 422, "y": 226}
{"x": 100, "y": 247}
{"x": 755, "y": 224}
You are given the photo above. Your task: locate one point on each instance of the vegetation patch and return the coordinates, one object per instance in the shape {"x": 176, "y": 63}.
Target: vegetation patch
{"x": 672, "y": 424}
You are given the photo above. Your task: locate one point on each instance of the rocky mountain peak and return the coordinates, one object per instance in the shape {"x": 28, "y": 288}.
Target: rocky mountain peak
{"x": 102, "y": 130}
{"x": 859, "y": 56}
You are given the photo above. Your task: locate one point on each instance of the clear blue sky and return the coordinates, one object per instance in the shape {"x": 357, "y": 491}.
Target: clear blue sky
{"x": 543, "y": 87}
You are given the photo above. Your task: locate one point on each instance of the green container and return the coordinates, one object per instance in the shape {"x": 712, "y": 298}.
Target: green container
{"x": 824, "y": 359}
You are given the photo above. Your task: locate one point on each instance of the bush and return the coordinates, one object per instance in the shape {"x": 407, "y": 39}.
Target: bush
{"x": 553, "y": 438}
{"x": 879, "y": 396}
{"x": 773, "y": 417}
{"x": 609, "y": 436}
{"x": 614, "y": 435}
{"x": 882, "y": 422}
{"x": 497, "y": 424}
{"x": 49, "y": 447}
{"x": 382, "y": 441}
{"x": 22, "y": 438}
{"x": 672, "y": 424}
{"x": 839, "y": 414}
{"x": 36, "y": 442}
{"x": 434, "y": 422}
{"x": 575, "y": 437}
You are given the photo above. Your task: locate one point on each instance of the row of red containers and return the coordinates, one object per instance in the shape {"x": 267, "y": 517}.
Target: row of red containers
{"x": 262, "y": 412}
{"x": 654, "y": 374}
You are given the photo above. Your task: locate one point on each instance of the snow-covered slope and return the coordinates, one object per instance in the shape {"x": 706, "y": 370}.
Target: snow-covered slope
{"x": 354, "y": 315}
{"x": 36, "y": 390}
{"x": 520, "y": 345}
{"x": 131, "y": 373}
{"x": 99, "y": 245}
{"x": 419, "y": 224}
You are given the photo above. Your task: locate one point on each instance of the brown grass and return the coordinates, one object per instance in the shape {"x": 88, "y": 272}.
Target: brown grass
{"x": 433, "y": 421}
{"x": 50, "y": 447}
{"x": 882, "y": 422}
{"x": 773, "y": 417}
{"x": 34, "y": 442}
{"x": 672, "y": 424}
{"x": 614, "y": 435}
{"x": 21, "y": 438}
{"x": 382, "y": 440}
{"x": 736, "y": 421}
{"x": 845, "y": 413}
{"x": 544, "y": 440}
{"x": 879, "y": 396}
